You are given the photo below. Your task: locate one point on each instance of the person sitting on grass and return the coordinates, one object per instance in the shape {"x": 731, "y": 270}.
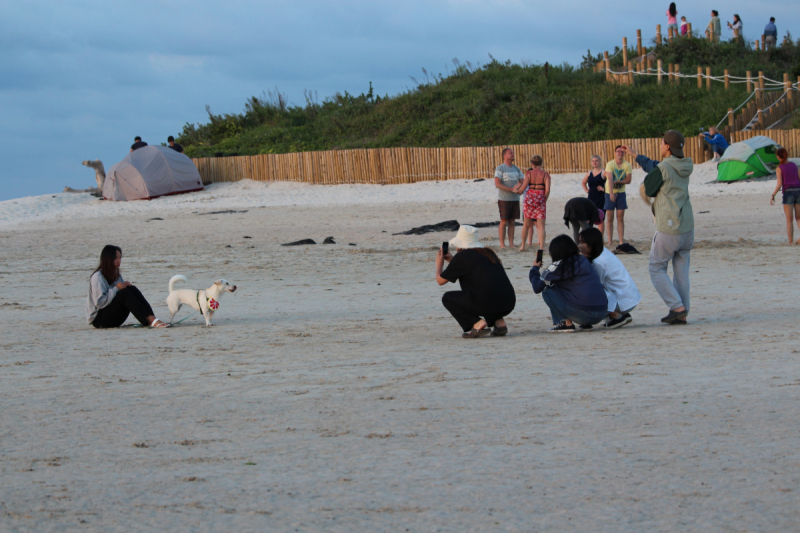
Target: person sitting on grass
{"x": 716, "y": 140}
{"x": 570, "y": 287}
{"x": 111, "y": 298}
{"x": 486, "y": 294}
{"x": 789, "y": 181}
{"x": 621, "y": 291}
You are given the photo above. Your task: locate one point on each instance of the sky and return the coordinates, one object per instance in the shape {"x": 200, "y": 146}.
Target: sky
{"x": 80, "y": 79}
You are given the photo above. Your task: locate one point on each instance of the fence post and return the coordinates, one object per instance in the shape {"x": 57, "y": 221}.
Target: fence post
{"x": 649, "y": 64}
{"x": 760, "y": 119}
{"x": 660, "y": 72}
{"x": 730, "y": 117}
{"x": 758, "y": 45}
{"x": 630, "y": 72}
{"x": 749, "y": 82}
{"x": 658, "y": 34}
{"x": 624, "y": 50}
{"x": 639, "y": 43}
{"x": 671, "y": 32}
{"x": 689, "y": 29}
{"x": 608, "y": 65}
{"x": 727, "y": 80}
{"x": 763, "y": 42}
{"x": 677, "y": 74}
{"x": 699, "y": 77}
{"x": 761, "y": 80}
{"x": 708, "y": 78}
{"x": 671, "y": 75}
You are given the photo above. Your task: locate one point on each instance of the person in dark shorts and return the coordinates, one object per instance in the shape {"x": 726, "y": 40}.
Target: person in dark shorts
{"x": 581, "y": 213}
{"x": 618, "y": 174}
{"x": 594, "y": 184}
{"x": 789, "y": 181}
{"x": 111, "y": 298}
{"x": 506, "y": 177}
{"x": 175, "y": 146}
{"x": 137, "y": 143}
{"x": 486, "y": 294}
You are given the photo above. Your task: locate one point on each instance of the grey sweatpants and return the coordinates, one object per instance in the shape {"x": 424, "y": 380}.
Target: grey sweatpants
{"x": 675, "y": 248}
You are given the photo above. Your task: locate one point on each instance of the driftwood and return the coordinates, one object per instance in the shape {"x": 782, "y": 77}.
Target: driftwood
{"x": 99, "y": 176}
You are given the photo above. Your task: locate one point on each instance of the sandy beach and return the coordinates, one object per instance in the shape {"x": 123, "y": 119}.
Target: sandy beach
{"x": 334, "y": 392}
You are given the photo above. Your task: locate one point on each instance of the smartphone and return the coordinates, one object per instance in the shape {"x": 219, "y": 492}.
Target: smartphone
{"x": 539, "y": 255}
{"x": 445, "y": 247}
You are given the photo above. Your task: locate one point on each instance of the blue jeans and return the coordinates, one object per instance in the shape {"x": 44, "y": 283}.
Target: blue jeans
{"x": 560, "y": 309}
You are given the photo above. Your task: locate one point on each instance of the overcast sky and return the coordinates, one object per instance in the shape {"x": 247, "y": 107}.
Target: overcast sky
{"x": 80, "y": 79}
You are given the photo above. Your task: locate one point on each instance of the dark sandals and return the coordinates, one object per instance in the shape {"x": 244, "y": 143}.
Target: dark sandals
{"x": 499, "y": 331}
{"x": 476, "y": 333}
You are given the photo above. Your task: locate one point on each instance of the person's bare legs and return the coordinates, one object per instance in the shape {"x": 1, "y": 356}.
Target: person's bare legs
{"x": 527, "y": 227}
{"x": 621, "y": 225}
{"x": 501, "y": 230}
{"x": 797, "y": 219}
{"x": 530, "y": 233}
{"x": 610, "y": 224}
{"x": 540, "y": 222}
{"x": 511, "y": 226}
{"x": 602, "y": 227}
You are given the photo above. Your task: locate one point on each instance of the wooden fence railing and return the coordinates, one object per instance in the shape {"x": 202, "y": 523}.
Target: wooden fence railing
{"x": 410, "y": 165}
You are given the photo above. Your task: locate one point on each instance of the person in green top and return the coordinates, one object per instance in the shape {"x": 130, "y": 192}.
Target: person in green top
{"x": 714, "y": 27}
{"x": 618, "y": 174}
{"x": 667, "y": 182}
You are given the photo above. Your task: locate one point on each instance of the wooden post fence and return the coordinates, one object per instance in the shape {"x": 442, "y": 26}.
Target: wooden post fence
{"x": 660, "y": 72}
{"x": 658, "y": 35}
{"x": 708, "y": 78}
{"x": 699, "y": 77}
{"x": 624, "y": 50}
{"x": 639, "y": 49}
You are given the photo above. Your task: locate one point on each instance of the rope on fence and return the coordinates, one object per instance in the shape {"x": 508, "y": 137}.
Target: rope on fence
{"x": 778, "y": 85}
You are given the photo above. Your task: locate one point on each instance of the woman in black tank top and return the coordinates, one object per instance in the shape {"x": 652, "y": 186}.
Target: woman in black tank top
{"x": 594, "y": 184}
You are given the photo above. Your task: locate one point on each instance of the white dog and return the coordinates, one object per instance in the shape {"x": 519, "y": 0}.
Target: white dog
{"x": 206, "y": 301}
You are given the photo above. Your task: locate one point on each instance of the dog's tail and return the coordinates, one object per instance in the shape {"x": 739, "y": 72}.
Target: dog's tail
{"x": 174, "y": 279}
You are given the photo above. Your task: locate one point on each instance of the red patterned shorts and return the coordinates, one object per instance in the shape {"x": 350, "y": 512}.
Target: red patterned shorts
{"x": 535, "y": 206}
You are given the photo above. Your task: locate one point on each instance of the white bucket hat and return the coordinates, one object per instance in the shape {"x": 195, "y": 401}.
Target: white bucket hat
{"x": 467, "y": 237}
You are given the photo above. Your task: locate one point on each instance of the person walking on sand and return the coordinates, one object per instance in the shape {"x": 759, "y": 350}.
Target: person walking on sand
{"x": 486, "y": 294}
{"x": 506, "y": 178}
{"x": 716, "y": 140}
{"x": 672, "y": 18}
{"x": 594, "y": 184}
{"x": 618, "y": 174}
{"x": 668, "y": 183}
{"x": 111, "y": 299}
{"x": 714, "y": 28}
{"x": 770, "y": 34}
{"x": 621, "y": 291}
{"x": 534, "y": 209}
{"x": 789, "y": 181}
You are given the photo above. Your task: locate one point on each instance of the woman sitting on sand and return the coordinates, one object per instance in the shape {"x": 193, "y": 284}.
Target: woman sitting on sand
{"x": 621, "y": 291}
{"x": 570, "y": 287}
{"x": 594, "y": 184}
{"x": 534, "y": 209}
{"x": 789, "y": 181}
{"x": 111, "y": 298}
{"x": 485, "y": 288}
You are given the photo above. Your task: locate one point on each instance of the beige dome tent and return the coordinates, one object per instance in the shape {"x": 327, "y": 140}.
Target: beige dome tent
{"x": 151, "y": 172}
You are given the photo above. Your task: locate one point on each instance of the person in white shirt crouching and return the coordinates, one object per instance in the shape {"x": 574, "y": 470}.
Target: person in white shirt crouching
{"x": 621, "y": 291}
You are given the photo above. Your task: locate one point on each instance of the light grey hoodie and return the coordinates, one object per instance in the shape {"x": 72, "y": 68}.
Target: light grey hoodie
{"x": 100, "y": 294}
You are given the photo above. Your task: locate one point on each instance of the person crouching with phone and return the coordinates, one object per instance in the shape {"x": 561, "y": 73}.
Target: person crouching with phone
{"x": 570, "y": 287}
{"x": 486, "y": 294}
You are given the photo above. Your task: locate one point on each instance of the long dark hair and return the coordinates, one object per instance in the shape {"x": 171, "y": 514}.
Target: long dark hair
{"x": 564, "y": 249}
{"x": 672, "y": 9}
{"x": 736, "y": 18}
{"x": 489, "y": 254}
{"x": 106, "y": 266}
{"x": 593, "y": 238}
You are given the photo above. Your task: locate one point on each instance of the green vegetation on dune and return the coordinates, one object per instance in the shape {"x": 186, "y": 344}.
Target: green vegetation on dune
{"x": 498, "y": 103}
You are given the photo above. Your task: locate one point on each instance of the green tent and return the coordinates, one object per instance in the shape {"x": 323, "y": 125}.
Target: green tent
{"x": 753, "y": 158}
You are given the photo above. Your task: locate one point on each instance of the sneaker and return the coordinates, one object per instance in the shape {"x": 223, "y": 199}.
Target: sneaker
{"x": 562, "y": 327}
{"x": 621, "y": 320}
{"x": 588, "y": 327}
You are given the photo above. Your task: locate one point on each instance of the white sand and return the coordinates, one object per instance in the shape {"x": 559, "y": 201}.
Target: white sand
{"x": 335, "y": 370}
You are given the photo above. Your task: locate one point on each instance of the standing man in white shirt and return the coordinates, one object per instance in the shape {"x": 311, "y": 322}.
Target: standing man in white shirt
{"x": 506, "y": 177}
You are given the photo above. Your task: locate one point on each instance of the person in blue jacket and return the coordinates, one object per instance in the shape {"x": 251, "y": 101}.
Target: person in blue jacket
{"x": 570, "y": 287}
{"x": 716, "y": 140}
